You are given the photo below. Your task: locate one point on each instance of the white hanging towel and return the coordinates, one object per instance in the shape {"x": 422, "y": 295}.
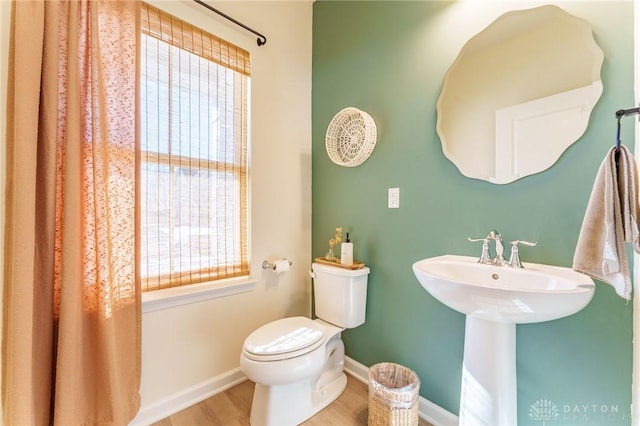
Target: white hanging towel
{"x": 610, "y": 221}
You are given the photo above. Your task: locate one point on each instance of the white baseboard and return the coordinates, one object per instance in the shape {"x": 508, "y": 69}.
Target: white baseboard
{"x": 428, "y": 411}
{"x": 165, "y": 407}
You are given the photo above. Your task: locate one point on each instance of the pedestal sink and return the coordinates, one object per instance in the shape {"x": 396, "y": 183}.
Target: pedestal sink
{"x": 495, "y": 299}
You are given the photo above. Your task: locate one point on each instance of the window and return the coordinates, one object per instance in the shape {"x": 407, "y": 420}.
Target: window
{"x": 194, "y": 160}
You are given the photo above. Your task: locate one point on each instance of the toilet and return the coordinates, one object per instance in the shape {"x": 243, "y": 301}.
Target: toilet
{"x": 297, "y": 363}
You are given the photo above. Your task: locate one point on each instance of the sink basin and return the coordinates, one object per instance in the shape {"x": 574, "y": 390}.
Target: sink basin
{"x": 534, "y": 293}
{"x": 495, "y": 299}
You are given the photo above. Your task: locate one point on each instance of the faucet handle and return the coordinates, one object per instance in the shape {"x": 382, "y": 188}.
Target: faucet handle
{"x": 514, "y": 259}
{"x": 473, "y": 240}
{"x": 484, "y": 257}
{"x": 525, "y": 243}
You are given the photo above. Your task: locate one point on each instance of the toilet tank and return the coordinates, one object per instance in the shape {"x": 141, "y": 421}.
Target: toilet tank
{"x": 340, "y": 294}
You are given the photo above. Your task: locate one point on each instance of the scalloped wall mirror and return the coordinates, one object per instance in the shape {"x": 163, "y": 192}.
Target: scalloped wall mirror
{"x": 519, "y": 94}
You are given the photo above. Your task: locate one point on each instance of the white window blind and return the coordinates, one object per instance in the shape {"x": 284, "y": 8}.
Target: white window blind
{"x": 194, "y": 161}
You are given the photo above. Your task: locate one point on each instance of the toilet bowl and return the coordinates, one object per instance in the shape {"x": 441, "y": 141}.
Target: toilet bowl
{"x": 297, "y": 363}
{"x": 292, "y": 386}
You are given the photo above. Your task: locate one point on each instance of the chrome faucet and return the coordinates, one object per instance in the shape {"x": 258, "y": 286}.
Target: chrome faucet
{"x": 485, "y": 257}
{"x": 514, "y": 259}
{"x": 498, "y": 259}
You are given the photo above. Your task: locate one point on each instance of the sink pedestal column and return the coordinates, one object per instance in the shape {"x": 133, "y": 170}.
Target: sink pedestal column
{"x": 488, "y": 395}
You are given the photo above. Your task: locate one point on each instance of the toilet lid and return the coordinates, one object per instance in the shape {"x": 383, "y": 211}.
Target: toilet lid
{"x": 284, "y": 338}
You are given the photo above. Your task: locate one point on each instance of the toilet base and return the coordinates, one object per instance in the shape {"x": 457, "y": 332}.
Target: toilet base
{"x": 289, "y": 405}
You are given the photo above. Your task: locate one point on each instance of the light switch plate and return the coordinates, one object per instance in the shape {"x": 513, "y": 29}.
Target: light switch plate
{"x": 394, "y": 198}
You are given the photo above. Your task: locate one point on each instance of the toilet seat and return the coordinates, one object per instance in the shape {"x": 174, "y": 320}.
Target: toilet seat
{"x": 283, "y": 339}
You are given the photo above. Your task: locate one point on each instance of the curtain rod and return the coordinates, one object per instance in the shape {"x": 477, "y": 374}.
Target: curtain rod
{"x": 261, "y": 39}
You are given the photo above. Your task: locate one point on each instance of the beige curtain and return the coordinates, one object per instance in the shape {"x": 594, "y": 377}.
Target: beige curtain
{"x": 71, "y": 326}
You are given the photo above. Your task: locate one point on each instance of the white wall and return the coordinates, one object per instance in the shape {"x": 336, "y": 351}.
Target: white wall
{"x": 186, "y": 346}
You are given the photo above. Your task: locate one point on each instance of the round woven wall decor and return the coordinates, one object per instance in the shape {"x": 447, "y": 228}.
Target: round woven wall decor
{"x": 351, "y": 137}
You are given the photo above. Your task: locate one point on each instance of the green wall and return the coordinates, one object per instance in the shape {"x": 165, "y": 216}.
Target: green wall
{"x": 389, "y": 58}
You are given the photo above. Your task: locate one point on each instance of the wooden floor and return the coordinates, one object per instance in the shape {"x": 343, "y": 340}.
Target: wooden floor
{"x": 232, "y": 407}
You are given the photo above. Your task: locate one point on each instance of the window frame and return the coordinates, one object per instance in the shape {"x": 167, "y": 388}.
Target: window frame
{"x": 201, "y": 289}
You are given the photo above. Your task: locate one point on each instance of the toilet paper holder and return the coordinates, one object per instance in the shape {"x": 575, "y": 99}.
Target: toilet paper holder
{"x": 271, "y": 265}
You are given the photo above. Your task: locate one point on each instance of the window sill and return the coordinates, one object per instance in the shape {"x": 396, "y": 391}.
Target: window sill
{"x": 171, "y": 297}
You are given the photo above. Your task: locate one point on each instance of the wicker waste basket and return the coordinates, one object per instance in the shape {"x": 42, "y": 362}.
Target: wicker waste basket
{"x": 393, "y": 395}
